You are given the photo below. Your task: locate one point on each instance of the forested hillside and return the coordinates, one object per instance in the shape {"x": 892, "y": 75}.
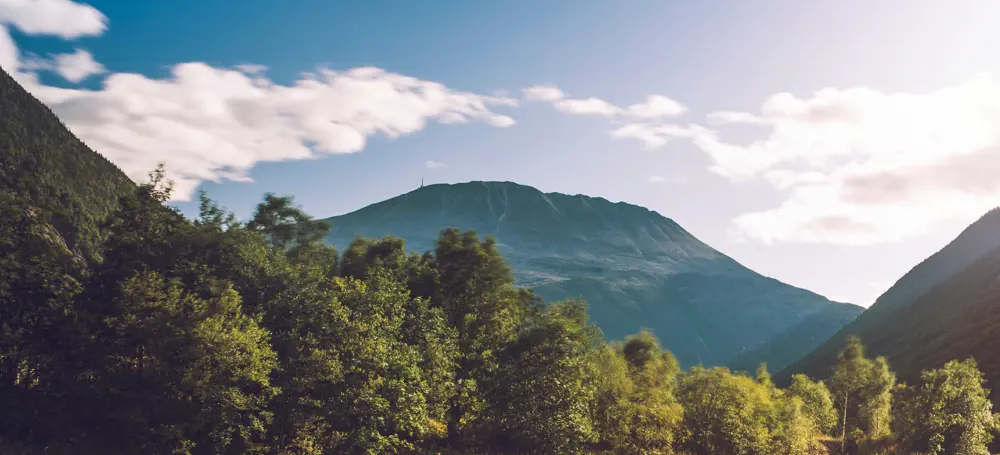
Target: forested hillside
{"x": 43, "y": 164}
{"x": 636, "y": 268}
{"x": 948, "y": 306}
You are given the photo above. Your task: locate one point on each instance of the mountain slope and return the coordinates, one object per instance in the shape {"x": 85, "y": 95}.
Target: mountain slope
{"x": 43, "y": 164}
{"x": 946, "y": 307}
{"x": 636, "y": 268}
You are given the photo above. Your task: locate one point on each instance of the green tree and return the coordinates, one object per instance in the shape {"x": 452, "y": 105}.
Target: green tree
{"x": 817, "y": 402}
{"x": 875, "y": 413}
{"x": 847, "y": 383}
{"x": 793, "y": 429}
{"x": 286, "y": 225}
{"x": 862, "y": 389}
{"x": 477, "y": 294}
{"x": 763, "y": 376}
{"x": 182, "y": 373}
{"x": 725, "y": 414}
{"x": 949, "y": 414}
{"x": 39, "y": 281}
{"x": 540, "y": 399}
{"x": 637, "y": 409}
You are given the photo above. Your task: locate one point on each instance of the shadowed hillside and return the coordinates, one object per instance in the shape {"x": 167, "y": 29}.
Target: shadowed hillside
{"x": 947, "y": 307}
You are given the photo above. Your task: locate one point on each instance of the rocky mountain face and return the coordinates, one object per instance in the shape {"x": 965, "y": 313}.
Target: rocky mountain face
{"x": 945, "y": 308}
{"x": 636, "y": 268}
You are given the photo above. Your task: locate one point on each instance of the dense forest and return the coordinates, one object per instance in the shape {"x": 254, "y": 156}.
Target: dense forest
{"x": 219, "y": 336}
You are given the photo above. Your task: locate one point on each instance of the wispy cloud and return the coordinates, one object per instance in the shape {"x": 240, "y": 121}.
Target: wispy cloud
{"x": 431, "y": 164}
{"x": 654, "y": 107}
{"x": 73, "y": 67}
{"x": 855, "y": 165}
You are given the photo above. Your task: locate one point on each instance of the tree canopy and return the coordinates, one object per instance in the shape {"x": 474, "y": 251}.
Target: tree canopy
{"x": 221, "y": 336}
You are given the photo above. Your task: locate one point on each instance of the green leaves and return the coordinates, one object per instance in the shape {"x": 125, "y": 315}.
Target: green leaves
{"x": 817, "y": 402}
{"x": 949, "y": 414}
{"x": 862, "y": 391}
{"x": 219, "y": 337}
{"x": 540, "y": 399}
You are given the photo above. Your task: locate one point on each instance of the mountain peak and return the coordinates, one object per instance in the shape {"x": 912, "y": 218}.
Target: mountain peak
{"x": 635, "y": 267}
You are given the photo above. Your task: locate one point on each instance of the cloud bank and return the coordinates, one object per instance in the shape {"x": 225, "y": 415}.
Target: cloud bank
{"x": 855, "y": 166}
{"x": 210, "y": 123}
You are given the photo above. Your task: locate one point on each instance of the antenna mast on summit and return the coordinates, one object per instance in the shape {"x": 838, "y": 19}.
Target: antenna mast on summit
{"x": 421, "y": 182}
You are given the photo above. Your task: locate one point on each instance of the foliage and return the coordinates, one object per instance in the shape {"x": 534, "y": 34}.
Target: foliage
{"x": 817, "y": 402}
{"x": 540, "y": 398}
{"x": 863, "y": 394}
{"x": 636, "y": 409}
{"x": 219, "y": 336}
{"x": 949, "y": 414}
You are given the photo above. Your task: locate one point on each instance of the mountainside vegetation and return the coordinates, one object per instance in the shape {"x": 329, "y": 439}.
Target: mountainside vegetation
{"x": 946, "y": 307}
{"x": 636, "y": 269}
{"x": 41, "y": 162}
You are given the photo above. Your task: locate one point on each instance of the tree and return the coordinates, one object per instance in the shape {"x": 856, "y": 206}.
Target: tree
{"x": 180, "y": 372}
{"x": 637, "y": 409}
{"x": 285, "y": 225}
{"x": 539, "y": 400}
{"x": 863, "y": 391}
{"x": 847, "y": 382}
{"x": 725, "y": 414}
{"x": 39, "y": 281}
{"x": 817, "y": 402}
{"x": 793, "y": 429}
{"x": 477, "y": 294}
{"x": 875, "y": 413}
{"x": 763, "y": 376}
{"x": 949, "y": 414}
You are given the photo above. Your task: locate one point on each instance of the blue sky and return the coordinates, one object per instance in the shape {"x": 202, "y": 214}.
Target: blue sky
{"x": 879, "y": 151}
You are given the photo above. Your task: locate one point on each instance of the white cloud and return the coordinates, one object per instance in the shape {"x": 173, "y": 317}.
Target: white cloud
{"x": 77, "y": 66}
{"x": 860, "y": 166}
{"x": 654, "y": 135}
{"x": 855, "y": 165}
{"x": 73, "y": 67}
{"x": 63, "y": 18}
{"x": 431, "y": 164}
{"x": 656, "y": 106}
{"x": 543, "y": 93}
{"x": 8, "y": 51}
{"x": 210, "y": 123}
{"x": 589, "y": 106}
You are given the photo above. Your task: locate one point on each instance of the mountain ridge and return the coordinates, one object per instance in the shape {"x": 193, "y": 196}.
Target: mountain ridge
{"x": 631, "y": 263}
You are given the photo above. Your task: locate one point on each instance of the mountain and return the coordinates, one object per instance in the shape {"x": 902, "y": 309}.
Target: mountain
{"x": 947, "y": 307}
{"x": 636, "y": 268}
{"x": 44, "y": 165}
